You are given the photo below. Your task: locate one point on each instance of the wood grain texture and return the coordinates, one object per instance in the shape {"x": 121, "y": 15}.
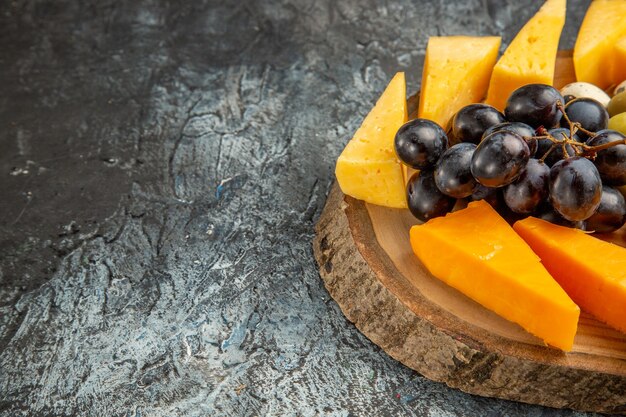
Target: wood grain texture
{"x": 368, "y": 267}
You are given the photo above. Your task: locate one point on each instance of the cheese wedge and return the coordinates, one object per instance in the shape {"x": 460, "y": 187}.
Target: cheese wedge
{"x": 603, "y": 25}
{"x": 619, "y": 63}
{"x": 368, "y": 168}
{"x": 531, "y": 56}
{"x": 456, "y": 73}
{"x": 476, "y": 251}
{"x": 590, "y": 270}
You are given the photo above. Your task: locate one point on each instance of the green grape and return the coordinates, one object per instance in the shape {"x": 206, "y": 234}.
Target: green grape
{"x": 618, "y": 122}
{"x": 617, "y": 104}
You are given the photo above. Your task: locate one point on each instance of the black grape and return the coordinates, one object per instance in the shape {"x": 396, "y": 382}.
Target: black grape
{"x": 546, "y": 212}
{"x": 530, "y": 189}
{"x": 536, "y": 105}
{"x": 611, "y": 162}
{"x": 452, "y": 172}
{"x": 611, "y": 213}
{"x": 469, "y": 123}
{"x": 575, "y": 188}
{"x": 522, "y": 129}
{"x": 590, "y": 113}
{"x": 419, "y": 143}
{"x": 424, "y": 198}
{"x": 499, "y": 159}
{"x": 490, "y": 195}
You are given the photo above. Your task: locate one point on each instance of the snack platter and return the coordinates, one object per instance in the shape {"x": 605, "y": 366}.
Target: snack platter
{"x": 368, "y": 267}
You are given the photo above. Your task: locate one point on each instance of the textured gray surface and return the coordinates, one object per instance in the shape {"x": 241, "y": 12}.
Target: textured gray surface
{"x": 162, "y": 166}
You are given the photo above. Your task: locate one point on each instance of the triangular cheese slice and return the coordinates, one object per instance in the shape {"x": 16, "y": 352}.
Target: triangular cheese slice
{"x": 603, "y": 25}
{"x": 619, "y": 66}
{"x": 456, "y": 73}
{"x": 531, "y": 56}
{"x": 590, "y": 270}
{"x": 368, "y": 168}
{"x": 476, "y": 251}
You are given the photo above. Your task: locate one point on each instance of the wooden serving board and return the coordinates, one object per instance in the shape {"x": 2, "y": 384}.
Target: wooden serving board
{"x": 368, "y": 267}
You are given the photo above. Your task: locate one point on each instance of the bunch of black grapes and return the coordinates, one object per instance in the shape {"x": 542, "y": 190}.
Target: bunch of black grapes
{"x": 542, "y": 157}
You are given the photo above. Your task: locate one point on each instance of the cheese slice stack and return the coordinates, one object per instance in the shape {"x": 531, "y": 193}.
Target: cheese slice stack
{"x": 531, "y": 56}
{"x": 476, "y": 251}
{"x": 368, "y": 168}
{"x": 456, "y": 73}
{"x": 590, "y": 270}
{"x": 603, "y": 25}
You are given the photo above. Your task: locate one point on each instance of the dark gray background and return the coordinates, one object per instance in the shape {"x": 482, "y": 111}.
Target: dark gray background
{"x": 162, "y": 166}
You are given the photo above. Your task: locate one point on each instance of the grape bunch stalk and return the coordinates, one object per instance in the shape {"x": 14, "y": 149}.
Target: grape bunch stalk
{"x": 541, "y": 157}
{"x": 579, "y": 148}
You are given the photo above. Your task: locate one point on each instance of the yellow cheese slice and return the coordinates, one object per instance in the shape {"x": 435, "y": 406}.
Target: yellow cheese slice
{"x": 456, "y": 73}
{"x": 619, "y": 65}
{"x": 596, "y": 281}
{"x": 603, "y": 25}
{"x": 531, "y": 56}
{"x": 476, "y": 251}
{"x": 368, "y": 168}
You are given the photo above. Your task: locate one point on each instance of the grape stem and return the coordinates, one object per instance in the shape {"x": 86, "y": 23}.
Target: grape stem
{"x": 581, "y": 149}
